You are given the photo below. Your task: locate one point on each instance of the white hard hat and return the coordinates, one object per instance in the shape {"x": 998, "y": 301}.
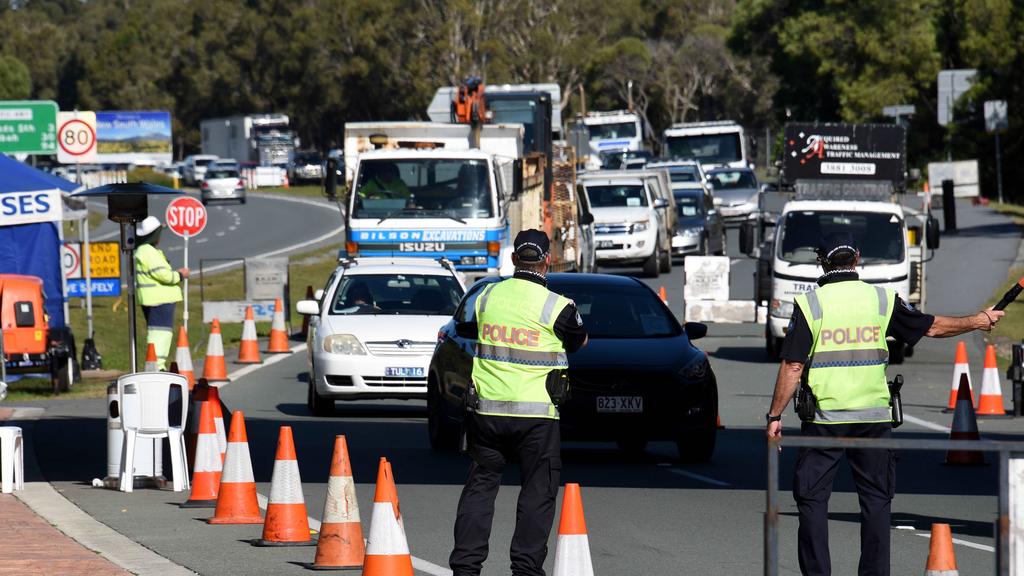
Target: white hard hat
{"x": 148, "y": 226}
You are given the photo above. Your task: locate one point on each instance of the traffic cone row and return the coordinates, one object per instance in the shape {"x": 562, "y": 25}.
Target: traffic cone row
{"x": 990, "y": 401}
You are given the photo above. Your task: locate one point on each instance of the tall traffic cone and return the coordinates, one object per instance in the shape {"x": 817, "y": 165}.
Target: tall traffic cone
{"x": 208, "y": 465}
{"x": 663, "y": 294}
{"x": 990, "y": 403}
{"x": 965, "y": 427}
{"x": 249, "y": 348}
{"x": 960, "y": 367}
{"x": 572, "y": 551}
{"x": 387, "y": 550}
{"x": 236, "y": 498}
{"x": 198, "y": 398}
{"x": 305, "y": 317}
{"x": 278, "y": 332}
{"x": 183, "y": 358}
{"x": 213, "y": 399}
{"x": 941, "y": 557}
{"x": 340, "y": 544}
{"x": 214, "y": 368}
{"x": 284, "y": 181}
{"x": 151, "y": 360}
{"x": 286, "y": 523}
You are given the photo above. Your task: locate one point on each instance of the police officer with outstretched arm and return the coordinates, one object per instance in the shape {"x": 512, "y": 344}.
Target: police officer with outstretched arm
{"x": 523, "y": 332}
{"x": 835, "y": 351}
{"x": 158, "y": 287}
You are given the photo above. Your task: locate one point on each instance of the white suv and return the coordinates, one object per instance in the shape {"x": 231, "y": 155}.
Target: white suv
{"x": 374, "y": 328}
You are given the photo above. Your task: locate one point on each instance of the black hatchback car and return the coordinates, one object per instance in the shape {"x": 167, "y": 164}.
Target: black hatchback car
{"x": 639, "y": 379}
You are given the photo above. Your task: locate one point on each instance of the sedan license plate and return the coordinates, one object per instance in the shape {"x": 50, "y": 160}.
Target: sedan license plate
{"x": 604, "y": 243}
{"x": 404, "y": 372}
{"x": 620, "y": 404}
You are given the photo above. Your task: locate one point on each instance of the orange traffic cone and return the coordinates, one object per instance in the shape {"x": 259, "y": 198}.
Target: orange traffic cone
{"x": 183, "y": 358}
{"x": 305, "y": 317}
{"x": 990, "y": 403}
{"x": 965, "y": 427}
{"x": 340, "y": 544}
{"x": 198, "y": 398}
{"x": 213, "y": 399}
{"x": 214, "y": 368}
{"x": 236, "y": 499}
{"x": 387, "y": 550}
{"x": 663, "y": 294}
{"x": 249, "y": 349}
{"x": 286, "y": 523}
{"x": 960, "y": 367}
{"x": 572, "y": 551}
{"x": 284, "y": 181}
{"x": 152, "y": 363}
{"x": 173, "y": 368}
{"x": 278, "y": 332}
{"x": 941, "y": 558}
{"x": 208, "y": 465}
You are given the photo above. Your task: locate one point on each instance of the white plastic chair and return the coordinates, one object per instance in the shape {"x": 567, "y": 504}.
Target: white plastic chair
{"x": 12, "y": 467}
{"x": 144, "y": 399}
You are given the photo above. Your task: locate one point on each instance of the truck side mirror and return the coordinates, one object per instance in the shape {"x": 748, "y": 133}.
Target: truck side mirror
{"x": 331, "y": 179}
{"x": 587, "y": 218}
{"x": 517, "y": 178}
{"x": 660, "y": 203}
{"x": 932, "y": 233}
{"x": 748, "y": 231}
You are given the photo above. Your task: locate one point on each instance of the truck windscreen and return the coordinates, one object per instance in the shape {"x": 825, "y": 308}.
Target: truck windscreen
{"x": 612, "y": 131}
{"x": 423, "y": 188}
{"x": 879, "y": 236}
{"x": 708, "y": 148}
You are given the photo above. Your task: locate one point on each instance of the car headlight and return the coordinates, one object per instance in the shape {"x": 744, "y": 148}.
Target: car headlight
{"x": 781, "y": 308}
{"x": 691, "y": 232}
{"x": 696, "y": 371}
{"x": 344, "y": 344}
{"x": 641, "y": 226}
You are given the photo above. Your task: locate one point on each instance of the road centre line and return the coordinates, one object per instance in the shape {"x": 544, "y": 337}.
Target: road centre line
{"x": 925, "y": 423}
{"x": 974, "y": 545}
{"x": 699, "y": 477}
{"x": 254, "y": 367}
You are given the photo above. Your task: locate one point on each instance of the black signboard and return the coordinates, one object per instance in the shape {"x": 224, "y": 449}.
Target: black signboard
{"x": 845, "y": 152}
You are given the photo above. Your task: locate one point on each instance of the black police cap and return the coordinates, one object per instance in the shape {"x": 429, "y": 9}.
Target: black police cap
{"x": 532, "y": 246}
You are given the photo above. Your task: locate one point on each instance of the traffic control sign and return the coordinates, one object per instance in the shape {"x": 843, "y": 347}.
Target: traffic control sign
{"x": 76, "y": 137}
{"x": 186, "y": 216}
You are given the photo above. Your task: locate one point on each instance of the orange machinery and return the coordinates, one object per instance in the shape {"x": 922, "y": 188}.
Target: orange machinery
{"x": 28, "y": 345}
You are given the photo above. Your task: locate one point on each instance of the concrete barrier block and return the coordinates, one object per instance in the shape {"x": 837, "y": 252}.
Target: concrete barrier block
{"x": 728, "y": 312}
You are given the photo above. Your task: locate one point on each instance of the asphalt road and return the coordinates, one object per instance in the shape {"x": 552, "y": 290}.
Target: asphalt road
{"x": 646, "y": 515}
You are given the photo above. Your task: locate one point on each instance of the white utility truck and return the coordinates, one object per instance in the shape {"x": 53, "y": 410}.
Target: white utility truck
{"x": 713, "y": 144}
{"x": 616, "y": 131}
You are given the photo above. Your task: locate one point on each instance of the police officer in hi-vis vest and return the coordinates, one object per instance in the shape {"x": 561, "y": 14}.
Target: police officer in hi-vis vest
{"x": 158, "y": 287}
{"x": 523, "y": 332}
{"x": 836, "y": 348}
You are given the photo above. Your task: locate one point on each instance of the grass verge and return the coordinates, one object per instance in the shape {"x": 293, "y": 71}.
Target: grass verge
{"x": 309, "y": 191}
{"x": 1010, "y": 329}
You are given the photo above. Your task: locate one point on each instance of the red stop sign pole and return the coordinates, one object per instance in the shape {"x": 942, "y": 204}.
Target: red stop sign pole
{"x": 186, "y": 217}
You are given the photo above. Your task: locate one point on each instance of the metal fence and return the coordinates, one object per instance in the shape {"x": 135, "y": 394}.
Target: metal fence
{"x": 1002, "y": 524}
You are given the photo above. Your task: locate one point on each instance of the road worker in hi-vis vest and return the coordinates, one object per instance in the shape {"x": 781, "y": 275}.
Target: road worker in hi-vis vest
{"x": 158, "y": 287}
{"x": 523, "y": 333}
{"x": 836, "y": 352}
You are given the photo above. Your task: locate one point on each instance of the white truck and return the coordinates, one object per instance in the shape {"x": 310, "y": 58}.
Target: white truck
{"x": 848, "y": 180}
{"x": 713, "y": 144}
{"x": 262, "y": 139}
{"x": 615, "y": 131}
{"x": 634, "y": 218}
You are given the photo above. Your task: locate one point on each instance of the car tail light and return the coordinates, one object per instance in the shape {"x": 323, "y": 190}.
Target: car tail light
{"x": 352, "y": 248}
{"x": 493, "y": 248}
{"x": 241, "y": 183}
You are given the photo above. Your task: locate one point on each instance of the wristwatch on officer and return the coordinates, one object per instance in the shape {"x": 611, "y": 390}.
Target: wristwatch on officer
{"x": 771, "y": 418}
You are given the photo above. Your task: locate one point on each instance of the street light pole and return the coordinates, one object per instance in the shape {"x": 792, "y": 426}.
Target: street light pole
{"x": 999, "y": 168}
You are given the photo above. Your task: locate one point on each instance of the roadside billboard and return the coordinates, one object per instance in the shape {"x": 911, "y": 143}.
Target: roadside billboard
{"x": 140, "y": 137}
{"x": 845, "y": 152}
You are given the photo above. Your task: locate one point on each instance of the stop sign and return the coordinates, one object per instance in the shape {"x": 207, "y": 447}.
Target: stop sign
{"x": 186, "y": 216}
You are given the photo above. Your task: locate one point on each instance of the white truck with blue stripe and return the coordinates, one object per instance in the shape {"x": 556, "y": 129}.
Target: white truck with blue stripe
{"x": 616, "y": 131}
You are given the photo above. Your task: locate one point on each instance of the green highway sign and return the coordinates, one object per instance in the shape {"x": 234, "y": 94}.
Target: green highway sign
{"x": 28, "y": 127}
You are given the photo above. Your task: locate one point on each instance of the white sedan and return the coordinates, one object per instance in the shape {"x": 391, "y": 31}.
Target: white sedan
{"x": 374, "y": 327}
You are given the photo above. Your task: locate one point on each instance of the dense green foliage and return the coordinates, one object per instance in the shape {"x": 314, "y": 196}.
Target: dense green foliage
{"x": 325, "y": 62}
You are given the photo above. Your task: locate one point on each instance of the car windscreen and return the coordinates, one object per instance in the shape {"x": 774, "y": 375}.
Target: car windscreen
{"x": 615, "y": 196}
{"x": 202, "y": 161}
{"x": 612, "y": 131}
{"x": 707, "y": 148}
{"x": 619, "y": 311}
{"x": 688, "y": 204}
{"x": 683, "y": 174}
{"x": 454, "y": 188}
{"x": 408, "y": 294}
{"x": 732, "y": 179}
{"x": 878, "y": 236}
{"x": 215, "y": 173}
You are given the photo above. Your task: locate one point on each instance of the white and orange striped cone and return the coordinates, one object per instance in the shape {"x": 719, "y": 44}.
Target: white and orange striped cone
{"x": 213, "y": 398}
{"x": 572, "y": 550}
{"x": 990, "y": 403}
{"x": 183, "y": 358}
{"x": 941, "y": 557}
{"x": 387, "y": 550}
{"x": 152, "y": 363}
{"x": 960, "y": 367}
{"x": 197, "y": 398}
{"x": 249, "y": 347}
{"x": 236, "y": 498}
{"x": 286, "y": 523}
{"x": 278, "y": 332}
{"x": 340, "y": 544}
{"x": 208, "y": 466}
{"x": 214, "y": 368}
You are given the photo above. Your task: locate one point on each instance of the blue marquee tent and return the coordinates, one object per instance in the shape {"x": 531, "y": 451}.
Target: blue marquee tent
{"x": 31, "y": 209}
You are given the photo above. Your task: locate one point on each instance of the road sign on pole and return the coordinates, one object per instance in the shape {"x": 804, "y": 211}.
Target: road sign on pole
{"x": 76, "y": 137}
{"x": 997, "y": 120}
{"x": 952, "y": 84}
{"x": 28, "y": 127}
{"x": 186, "y": 217}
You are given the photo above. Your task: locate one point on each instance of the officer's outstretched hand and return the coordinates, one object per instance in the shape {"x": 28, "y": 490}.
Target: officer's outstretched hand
{"x": 987, "y": 319}
{"x": 775, "y": 430}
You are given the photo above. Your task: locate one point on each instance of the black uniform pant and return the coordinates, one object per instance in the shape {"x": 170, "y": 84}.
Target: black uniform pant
{"x": 874, "y": 475}
{"x": 493, "y": 442}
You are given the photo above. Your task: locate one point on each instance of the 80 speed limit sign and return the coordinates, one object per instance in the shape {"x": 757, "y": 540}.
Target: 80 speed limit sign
{"x": 76, "y": 137}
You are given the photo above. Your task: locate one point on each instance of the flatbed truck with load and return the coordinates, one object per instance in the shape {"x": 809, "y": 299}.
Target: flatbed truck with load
{"x": 838, "y": 177}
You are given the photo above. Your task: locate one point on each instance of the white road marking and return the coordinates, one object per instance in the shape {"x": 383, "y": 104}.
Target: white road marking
{"x": 700, "y": 477}
{"x": 232, "y": 228}
{"x": 734, "y": 260}
{"x": 925, "y": 423}
{"x": 962, "y": 542}
{"x": 202, "y": 241}
{"x": 270, "y": 361}
{"x": 220, "y": 234}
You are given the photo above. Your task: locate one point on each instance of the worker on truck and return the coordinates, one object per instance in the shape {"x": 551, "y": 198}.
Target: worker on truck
{"x": 158, "y": 287}
{"x": 384, "y": 182}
